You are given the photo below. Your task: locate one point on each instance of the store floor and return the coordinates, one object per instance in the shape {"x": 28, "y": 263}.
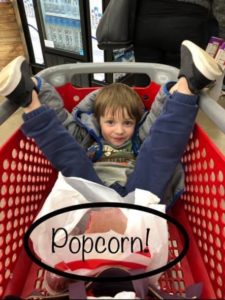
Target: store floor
{"x": 15, "y": 121}
{"x": 212, "y": 131}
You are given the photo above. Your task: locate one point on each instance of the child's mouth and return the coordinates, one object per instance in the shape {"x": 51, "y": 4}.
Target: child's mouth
{"x": 119, "y": 140}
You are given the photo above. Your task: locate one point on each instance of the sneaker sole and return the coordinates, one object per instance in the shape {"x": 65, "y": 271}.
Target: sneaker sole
{"x": 203, "y": 61}
{"x": 10, "y": 76}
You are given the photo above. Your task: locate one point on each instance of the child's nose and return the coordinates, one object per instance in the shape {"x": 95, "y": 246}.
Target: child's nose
{"x": 119, "y": 128}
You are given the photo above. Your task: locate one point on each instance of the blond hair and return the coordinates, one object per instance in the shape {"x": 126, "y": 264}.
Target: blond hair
{"x": 118, "y": 96}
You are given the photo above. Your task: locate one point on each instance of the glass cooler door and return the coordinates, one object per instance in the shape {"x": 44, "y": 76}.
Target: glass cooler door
{"x": 62, "y": 26}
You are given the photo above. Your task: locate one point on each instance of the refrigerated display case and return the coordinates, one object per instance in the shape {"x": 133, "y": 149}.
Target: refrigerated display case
{"x": 96, "y": 10}
{"x": 63, "y": 31}
{"x": 31, "y": 32}
{"x": 62, "y": 26}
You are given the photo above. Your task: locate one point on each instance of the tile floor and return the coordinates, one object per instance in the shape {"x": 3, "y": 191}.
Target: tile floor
{"x": 14, "y": 122}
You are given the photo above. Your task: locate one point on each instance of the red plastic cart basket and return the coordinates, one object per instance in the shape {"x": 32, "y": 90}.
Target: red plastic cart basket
{"x": 27, "y": 178}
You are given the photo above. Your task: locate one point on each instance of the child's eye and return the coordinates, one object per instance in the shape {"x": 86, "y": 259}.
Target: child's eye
{"x": 110, "y": 122}
{"x": 129, "y": 123}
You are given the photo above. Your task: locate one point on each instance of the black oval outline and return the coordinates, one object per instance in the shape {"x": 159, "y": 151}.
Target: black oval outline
{"x": 106, "y": 204}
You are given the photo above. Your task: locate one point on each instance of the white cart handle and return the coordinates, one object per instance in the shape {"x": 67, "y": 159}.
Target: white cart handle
{"x": 61, "y": 74}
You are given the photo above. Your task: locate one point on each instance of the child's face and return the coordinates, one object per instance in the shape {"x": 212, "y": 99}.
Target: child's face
{"x": 117, "y": 128}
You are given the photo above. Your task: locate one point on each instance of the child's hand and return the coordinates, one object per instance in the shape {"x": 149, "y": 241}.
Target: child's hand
{"x": 107, "y": 219}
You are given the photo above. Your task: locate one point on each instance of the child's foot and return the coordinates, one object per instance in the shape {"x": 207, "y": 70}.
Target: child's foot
{"x": 15, "y": 82}
{"x": 198, "y": 67}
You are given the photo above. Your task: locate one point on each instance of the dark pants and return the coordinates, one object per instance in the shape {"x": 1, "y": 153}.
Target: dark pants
{"x": 158, "y": 37}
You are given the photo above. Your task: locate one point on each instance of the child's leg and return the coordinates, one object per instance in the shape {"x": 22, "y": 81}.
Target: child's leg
{"x": 164, "y": 146}
{"x": 49, "y": 96}
{"x": 42, "y": 124}
{"x": 58, "y": 145}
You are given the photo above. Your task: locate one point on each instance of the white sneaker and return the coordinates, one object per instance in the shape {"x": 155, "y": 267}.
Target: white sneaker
{"x": 15, "y": 82}
{"x": 198, "y": 67}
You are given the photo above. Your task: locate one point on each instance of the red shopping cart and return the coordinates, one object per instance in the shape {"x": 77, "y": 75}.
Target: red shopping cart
{"x": 27, "y": 178}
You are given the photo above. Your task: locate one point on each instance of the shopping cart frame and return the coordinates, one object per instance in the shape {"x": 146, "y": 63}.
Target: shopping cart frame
{"x": 200, "y": 151}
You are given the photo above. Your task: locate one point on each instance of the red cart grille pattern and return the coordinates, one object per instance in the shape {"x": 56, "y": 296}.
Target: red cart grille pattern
{"x": 27, "y": 177}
